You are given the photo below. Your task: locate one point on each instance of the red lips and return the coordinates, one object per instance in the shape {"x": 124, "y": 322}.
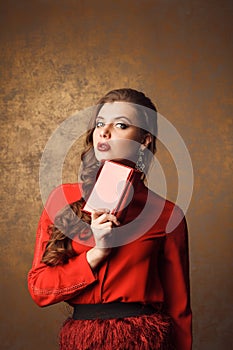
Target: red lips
{"x": 103, "y": 146}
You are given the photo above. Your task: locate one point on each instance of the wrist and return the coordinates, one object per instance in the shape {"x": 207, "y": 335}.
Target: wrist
{"x": 101, "y": 252}
{"x": 96, "y": 255}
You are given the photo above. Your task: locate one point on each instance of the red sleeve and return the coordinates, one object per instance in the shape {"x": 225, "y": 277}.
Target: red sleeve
{"x": 175, "y": 279}
{"x": 48, "y": 285}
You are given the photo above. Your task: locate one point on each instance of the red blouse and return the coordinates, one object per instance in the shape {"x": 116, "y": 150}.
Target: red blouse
{"x": 152, "y": 267}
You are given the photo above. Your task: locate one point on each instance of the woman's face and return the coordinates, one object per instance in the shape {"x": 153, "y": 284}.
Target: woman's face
{"x": 115, "y": 132}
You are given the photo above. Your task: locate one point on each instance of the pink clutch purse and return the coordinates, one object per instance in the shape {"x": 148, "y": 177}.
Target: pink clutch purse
{"x": 113, "y": 189}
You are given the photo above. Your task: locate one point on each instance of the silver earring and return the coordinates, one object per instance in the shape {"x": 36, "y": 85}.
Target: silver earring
{"x": 140, "y": 162}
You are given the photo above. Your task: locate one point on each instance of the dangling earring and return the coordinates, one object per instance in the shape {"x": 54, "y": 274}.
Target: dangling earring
{"x": 140, "y": 163}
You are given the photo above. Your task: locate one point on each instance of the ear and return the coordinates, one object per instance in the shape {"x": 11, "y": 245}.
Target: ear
{"x": 147, "y": 139}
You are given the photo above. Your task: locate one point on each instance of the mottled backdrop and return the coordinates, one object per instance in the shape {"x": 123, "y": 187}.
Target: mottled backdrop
{"x": 58, "y": 57}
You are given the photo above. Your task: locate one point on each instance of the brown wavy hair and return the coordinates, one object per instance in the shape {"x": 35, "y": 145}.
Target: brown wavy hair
{"x": 71, "y": 221}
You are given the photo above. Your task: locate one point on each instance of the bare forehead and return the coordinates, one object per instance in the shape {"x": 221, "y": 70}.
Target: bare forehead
{"x": 118, "y": 109}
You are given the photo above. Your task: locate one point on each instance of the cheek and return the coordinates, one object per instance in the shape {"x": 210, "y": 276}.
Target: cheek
{"x": 136, "y": 135}
{"x": 127, "y": 147}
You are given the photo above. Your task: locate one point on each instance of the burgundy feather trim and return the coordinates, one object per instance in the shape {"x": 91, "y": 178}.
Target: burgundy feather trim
{"x": 150, "y": 332}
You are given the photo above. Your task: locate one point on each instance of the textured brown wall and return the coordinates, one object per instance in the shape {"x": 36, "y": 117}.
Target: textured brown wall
{"x": 58, "y": 57}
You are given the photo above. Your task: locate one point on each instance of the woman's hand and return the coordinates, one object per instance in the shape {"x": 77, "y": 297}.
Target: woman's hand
{"x": 101, "y": 226}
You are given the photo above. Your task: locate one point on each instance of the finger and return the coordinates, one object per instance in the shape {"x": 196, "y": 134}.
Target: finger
{"x": 113, "y": 218}
{"x": 101, "y": 219}
{"x": 103, "y": 226}
{"x": 96, "y": 213}
{"x": 107, "y": 217}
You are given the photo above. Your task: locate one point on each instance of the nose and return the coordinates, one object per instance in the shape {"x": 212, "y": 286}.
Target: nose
{"x": 105, "y": 131}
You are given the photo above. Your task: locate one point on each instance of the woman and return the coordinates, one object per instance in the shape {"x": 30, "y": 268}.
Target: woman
{"x": 128, "y": 281}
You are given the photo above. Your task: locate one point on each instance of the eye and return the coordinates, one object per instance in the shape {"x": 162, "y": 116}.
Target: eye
{"x": 99, "y": 124}
{"x": 121, "y": 125}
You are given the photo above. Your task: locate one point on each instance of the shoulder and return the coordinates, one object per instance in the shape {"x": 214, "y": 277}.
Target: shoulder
{"x": 169, "y": 214}
{"x": 61, "y": 196}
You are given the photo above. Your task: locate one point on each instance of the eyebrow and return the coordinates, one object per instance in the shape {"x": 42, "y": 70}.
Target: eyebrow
{"x": 117, "y": 118}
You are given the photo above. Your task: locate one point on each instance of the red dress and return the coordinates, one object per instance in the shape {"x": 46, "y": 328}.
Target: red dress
{"x": 149, "y": 266}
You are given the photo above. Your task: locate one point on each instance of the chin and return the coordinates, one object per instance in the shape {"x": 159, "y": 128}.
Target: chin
{"x": 103, "y": 158}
